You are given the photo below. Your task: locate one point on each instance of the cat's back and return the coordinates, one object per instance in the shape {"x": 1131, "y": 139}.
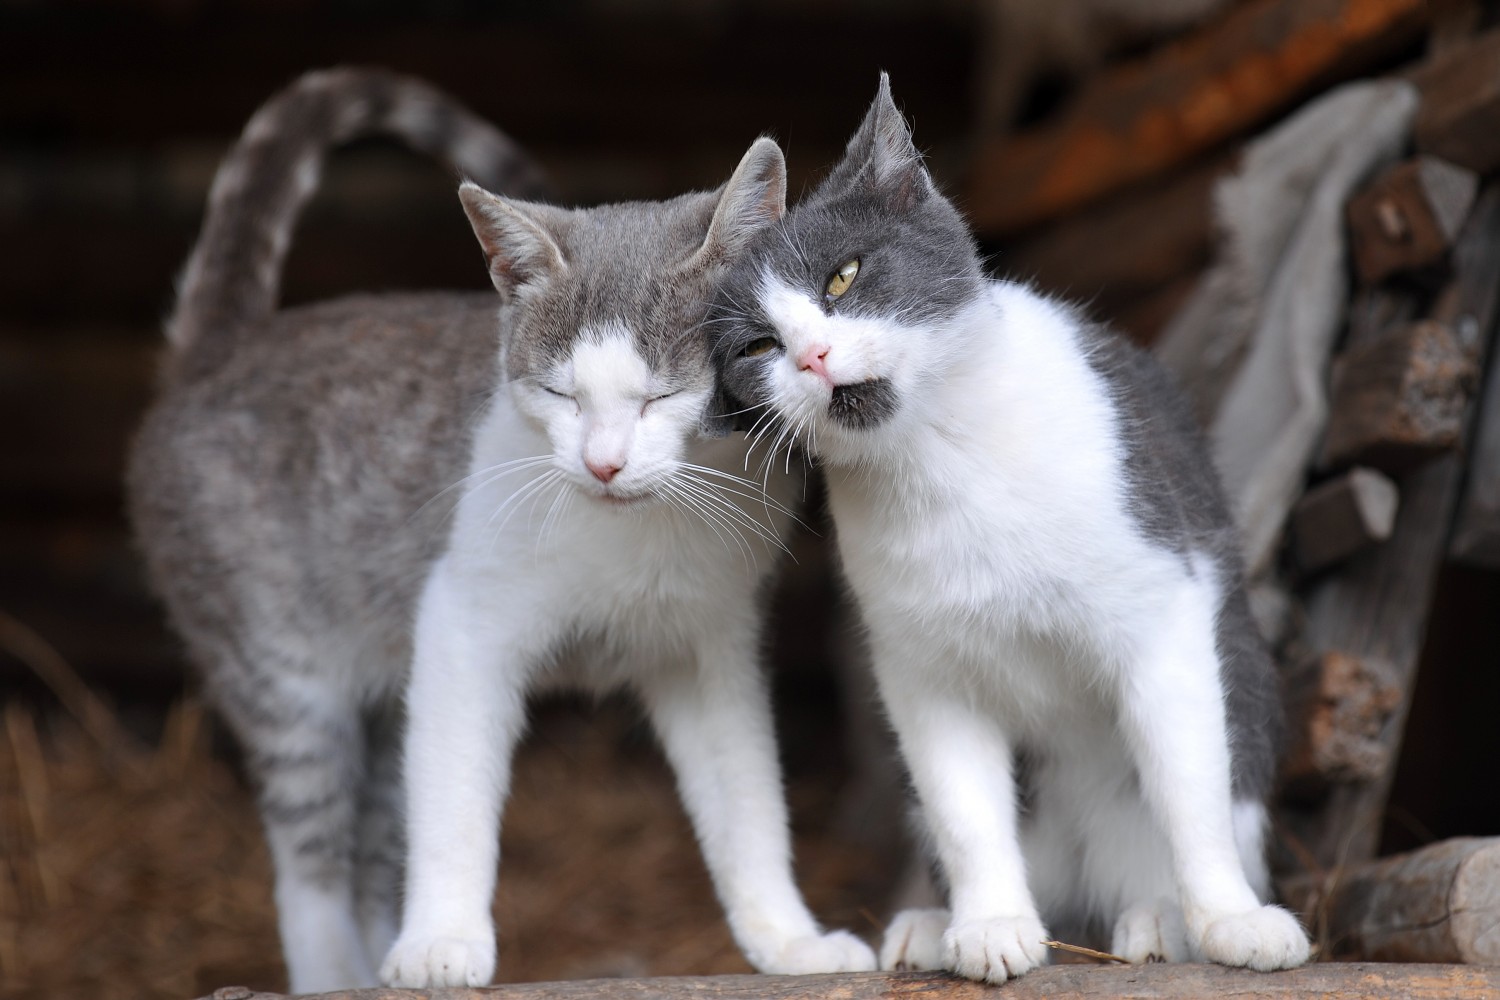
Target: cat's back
{"x": 300, "y": 461}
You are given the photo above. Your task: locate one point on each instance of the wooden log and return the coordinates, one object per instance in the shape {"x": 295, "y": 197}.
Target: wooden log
{"x": 1460, "y": 115}
{"x": 1157, "y": 981}
{"x": 1376, "y": 608}
{"x": 1337, "y": 706}
{"x": 1476, "y": 530}
{"x": 1400, "y": 400}
{"x": 1147, "y": 116}
{"x": 1437, "y": 904}
{"x": 1406, "y": 219}
{"x": 1341, "y": 517}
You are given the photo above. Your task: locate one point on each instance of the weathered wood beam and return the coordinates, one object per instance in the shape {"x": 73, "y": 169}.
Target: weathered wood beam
{"x": 1460, "y": 115}
{"x": 1144, "y": 117}
{"x": 1408, "y": 217}
{"x": 1399, "y": 400}
{"x": 1476, "y": 531}
{"x": 1342, "y": 517}
{"x": 1337, "y": 707}
{"x": 1159, "y": 981}
{"x": 1376, "y": 608}
{"x": 1437, "y": 904}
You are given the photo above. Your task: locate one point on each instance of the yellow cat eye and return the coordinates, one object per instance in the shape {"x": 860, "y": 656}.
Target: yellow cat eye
{"x": 842, "y": 279}
{"x": 765, "y": 345}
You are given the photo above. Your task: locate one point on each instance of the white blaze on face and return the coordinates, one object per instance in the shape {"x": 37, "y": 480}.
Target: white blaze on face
{"x": 611, "y": 383}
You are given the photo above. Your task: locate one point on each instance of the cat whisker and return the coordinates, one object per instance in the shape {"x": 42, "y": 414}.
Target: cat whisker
{"x": 531, "y": 490}
{"x": 500, "y": 470}
{"x": 709, "y": 493}
{"x": 690, "y": 504}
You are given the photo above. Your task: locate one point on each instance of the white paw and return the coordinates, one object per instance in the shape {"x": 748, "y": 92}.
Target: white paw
{"x": 425, "y": 962}
{"x": 1263, "y": 939}
{"x": 1151, "y": 932}
{"x": 836, "y": 951}
{"x": 996, "y": 949}
{"x": 914, "y": 940}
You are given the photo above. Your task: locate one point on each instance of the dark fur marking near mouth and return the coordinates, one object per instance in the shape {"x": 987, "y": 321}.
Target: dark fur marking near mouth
{"x": 863, "y": 405}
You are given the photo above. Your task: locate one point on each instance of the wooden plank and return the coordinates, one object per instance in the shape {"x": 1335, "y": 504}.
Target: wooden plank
{"x": 1337, "y": 707}
{"x": 1437, "y": 904}
{"x": 1157, "y": 981}
{"x": 1460, "y": 115}
{"x": 1399, "y": 400}
{"x": 1407, "y": 218}
{"x": 1144, "y": 117}
{"x": 1376, "y": 609}
{"x": 1342, "y": 517}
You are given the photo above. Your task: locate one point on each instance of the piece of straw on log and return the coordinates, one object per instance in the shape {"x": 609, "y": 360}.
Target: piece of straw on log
{"x": 1437, "y": 904}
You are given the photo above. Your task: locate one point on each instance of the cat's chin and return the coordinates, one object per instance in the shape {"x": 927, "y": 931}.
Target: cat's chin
{"x": 623, "y": 501}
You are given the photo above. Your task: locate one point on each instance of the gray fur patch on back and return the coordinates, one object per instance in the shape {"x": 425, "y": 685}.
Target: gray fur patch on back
{"x": 1173, "y": 493}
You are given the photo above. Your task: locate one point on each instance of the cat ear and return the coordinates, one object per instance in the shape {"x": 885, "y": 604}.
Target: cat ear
{"x": 517, "y": 245}
{"x": 754, "y": 198}
{"x": 883, "y": 156}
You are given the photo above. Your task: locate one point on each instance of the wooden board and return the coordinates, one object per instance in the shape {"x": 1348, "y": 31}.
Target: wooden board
{"x": 1059, "y": 982}
{"x": 1376, "y": 608}
{"x": 1437, "y": 904}
{"x": 1142, "y": 118}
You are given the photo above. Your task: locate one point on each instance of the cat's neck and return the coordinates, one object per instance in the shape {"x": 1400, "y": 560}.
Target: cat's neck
{"x": 1010, "y": 395}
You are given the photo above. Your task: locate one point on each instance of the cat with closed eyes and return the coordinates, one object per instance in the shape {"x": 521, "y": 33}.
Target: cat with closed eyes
{"x": 643, "y": 570}
{"x": 1047, "y": 573}
{"x": 530, "y": 483}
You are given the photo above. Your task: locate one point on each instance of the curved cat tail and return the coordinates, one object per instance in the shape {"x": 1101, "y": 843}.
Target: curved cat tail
{"x": 233, "y": 275}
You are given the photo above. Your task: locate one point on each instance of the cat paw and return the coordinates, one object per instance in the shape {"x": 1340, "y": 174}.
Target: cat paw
{"x": 420, "y": 962}
{"x": 1263, "y": 939}
{"x": 1151, "y": 932}
{"x": 836, "y": 951}
{"x": 996, "y": 949}
{"x": 914, "y": 940}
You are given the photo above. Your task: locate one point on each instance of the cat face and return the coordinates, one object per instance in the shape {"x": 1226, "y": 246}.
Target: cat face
{"x": 830, "y": 323}
{"x": 604, "y": 350}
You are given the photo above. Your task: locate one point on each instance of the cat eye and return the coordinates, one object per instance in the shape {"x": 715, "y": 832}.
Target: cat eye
{"x": 765, "y": 345}
{"x": 553, "y": 392}
{"x": 840, "y": 280}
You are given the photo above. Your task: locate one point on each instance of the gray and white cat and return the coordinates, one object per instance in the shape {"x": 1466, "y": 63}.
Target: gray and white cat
{"x": 295, "y": 482}
{"x": 642, "y": 572}
{"x": 1047, "y": 573}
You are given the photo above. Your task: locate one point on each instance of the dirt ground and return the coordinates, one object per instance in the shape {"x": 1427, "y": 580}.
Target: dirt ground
{"x": 132, "y": 868}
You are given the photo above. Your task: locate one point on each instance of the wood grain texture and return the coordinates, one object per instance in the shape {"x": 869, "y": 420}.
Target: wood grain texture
{"x": 1408, "y": 217}
{"x": 1437, "y": 904}
{"x": 1341, "y": 517}
{"x": 1058, "y": 982}
{"x": 1376, "y": 608}
{"x": 1145, "y": 117}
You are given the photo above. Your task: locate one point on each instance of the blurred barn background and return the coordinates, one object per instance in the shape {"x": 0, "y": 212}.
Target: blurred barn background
{"x": 1084, "y": 137}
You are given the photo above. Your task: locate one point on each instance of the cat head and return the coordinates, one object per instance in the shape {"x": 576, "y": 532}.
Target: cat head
{"x": 831, "y": 322}
{"x": 603, "y": 346}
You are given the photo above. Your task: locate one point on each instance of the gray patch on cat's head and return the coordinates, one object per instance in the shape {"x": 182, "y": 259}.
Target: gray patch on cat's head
{"x": 650, "y": 267}
{"x": 878, "y": 205}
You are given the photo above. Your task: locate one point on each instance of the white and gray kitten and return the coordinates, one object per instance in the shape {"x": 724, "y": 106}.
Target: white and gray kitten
{"x": 1046, "y": 570}
{"x": 290, "y": 489}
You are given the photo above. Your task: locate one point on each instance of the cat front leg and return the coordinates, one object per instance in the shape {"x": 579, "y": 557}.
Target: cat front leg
{"x": 465, "y": 713}
{"x": 961, "y": 765}
{"x": 714, "y": 721}
{"x": 1173, "y": 718}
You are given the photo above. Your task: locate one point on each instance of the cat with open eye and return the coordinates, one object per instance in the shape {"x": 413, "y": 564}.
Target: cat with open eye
{"x": 1029, "y": 521}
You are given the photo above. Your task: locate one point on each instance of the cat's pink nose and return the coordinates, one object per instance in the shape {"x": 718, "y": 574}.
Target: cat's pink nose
{"x": 811, "y": 360}
{"x": 603, "y": 471}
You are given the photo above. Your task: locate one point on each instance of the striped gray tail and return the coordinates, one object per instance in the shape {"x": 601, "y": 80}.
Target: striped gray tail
{"x": 233, "y": 275}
